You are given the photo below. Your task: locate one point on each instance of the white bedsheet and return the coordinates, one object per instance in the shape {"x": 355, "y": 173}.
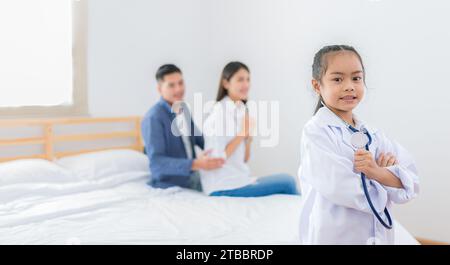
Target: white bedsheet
{"x": 124, "y": 210}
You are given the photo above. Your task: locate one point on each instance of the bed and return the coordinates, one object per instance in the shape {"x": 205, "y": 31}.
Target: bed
{"x": 100, "y": 196}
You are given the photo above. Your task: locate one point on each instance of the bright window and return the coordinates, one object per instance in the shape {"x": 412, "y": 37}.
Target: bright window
{"x": 36, "y": 53}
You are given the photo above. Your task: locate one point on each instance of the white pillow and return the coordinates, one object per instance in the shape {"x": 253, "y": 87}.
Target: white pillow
{"x": 33, "y": 171}
{"x": 97, "y": 165}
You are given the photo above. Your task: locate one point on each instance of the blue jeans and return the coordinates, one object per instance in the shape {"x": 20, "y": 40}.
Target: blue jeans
{"x": 273, "y": 184}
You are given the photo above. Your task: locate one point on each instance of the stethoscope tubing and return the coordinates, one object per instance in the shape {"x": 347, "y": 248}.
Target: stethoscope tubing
{"x": 366, "y": 191}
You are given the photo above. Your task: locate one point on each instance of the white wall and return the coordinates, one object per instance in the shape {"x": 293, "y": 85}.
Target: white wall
{"x": 405, "y": 45}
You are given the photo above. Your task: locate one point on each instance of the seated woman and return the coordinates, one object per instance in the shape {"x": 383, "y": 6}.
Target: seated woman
{"x": 227, "y": 132}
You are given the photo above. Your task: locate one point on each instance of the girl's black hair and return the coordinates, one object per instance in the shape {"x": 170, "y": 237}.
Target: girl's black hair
{"x": 320, "y": 65}
{"x": 228, "y": 72}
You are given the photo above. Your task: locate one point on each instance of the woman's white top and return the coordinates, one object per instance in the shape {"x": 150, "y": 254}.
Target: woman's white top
{"x": 220, "y": 127}
{"x": 335, "y": 208}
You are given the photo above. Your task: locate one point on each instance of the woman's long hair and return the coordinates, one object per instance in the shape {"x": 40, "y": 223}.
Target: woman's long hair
{"x": 228, "y": 72}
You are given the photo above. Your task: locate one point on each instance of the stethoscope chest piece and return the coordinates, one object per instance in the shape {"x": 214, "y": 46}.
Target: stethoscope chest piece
{"x": 359, "y": 140}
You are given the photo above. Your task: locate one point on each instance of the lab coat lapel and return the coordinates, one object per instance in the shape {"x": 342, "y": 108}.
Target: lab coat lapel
{"x": 347, "y": 137}
{"x": 347, "y": 134}
{"x": 330, "y": 119}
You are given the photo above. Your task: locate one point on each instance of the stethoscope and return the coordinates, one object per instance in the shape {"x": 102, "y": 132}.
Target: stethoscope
{"x": 362, "y": 139}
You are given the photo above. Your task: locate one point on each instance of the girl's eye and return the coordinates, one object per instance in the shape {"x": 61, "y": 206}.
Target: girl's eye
{"x": 357, "y": 78}
{"x": 337, "y": 79}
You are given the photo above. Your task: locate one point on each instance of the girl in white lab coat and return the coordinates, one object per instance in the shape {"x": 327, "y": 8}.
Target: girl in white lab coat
{"x": 335, "y": 209}
{"x": 228, "y": 133}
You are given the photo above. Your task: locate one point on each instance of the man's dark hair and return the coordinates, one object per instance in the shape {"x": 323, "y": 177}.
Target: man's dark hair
{"x": 166, "y": 69}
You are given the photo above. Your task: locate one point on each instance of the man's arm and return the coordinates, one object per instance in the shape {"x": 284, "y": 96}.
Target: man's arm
{"x": 155, "y": 142}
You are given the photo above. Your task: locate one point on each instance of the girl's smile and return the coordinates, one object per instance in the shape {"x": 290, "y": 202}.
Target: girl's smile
{"x": 350, "y": 99}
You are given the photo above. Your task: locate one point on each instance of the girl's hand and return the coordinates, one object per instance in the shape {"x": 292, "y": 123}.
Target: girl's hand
{"x": 365, "y": 163}
{"x": 386, "y": 160}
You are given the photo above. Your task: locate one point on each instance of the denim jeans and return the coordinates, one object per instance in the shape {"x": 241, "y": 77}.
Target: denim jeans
{"x": 273, "y": 184}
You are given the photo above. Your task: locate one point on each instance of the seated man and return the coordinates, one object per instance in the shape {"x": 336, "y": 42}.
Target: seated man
{"x": 170, "y": 145}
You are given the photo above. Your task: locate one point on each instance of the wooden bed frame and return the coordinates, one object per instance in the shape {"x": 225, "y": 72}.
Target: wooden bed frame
{"x": 49, "y": 139}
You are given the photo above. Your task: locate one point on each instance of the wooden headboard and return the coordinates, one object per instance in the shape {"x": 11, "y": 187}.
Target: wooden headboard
{"x": 48, "y": 139}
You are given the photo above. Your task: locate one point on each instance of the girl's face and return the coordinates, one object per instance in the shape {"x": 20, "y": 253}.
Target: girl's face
{"x": 342, "y": 85}
{"x": 238, "y": 85}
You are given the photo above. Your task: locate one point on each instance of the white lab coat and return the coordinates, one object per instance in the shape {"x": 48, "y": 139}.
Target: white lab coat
{"x": 335, "y": 210}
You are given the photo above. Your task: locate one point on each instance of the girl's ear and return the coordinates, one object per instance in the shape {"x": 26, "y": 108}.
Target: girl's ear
{"x": 316, "y": 86}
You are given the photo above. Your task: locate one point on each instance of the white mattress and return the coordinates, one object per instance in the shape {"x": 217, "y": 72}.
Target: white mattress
{"x": 124, "y": 210}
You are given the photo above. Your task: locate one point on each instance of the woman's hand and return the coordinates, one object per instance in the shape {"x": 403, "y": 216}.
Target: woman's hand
{"x": 248, "y": 126}
{"x": 386, "y": 160}
{"x": 246, "y": 133}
